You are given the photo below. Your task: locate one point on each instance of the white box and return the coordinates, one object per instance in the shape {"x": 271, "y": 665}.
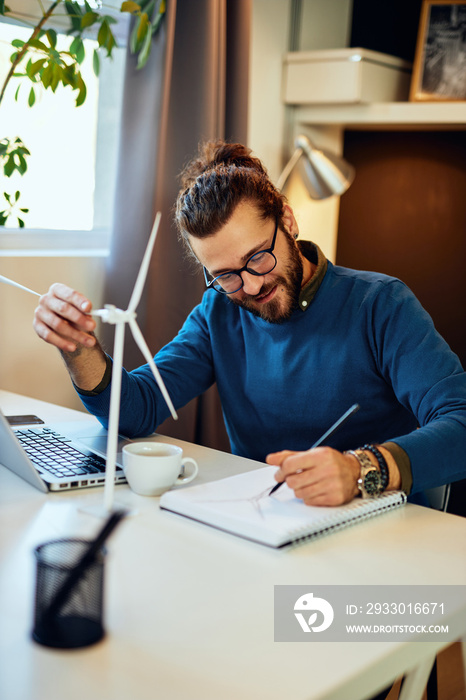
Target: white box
{"x": 344, "y": 76}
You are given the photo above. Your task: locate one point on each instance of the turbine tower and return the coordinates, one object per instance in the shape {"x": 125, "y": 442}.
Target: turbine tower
{"x": 119, "y": 318}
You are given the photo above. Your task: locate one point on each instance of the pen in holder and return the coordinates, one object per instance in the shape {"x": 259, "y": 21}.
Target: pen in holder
{"x": 68, "y": 611}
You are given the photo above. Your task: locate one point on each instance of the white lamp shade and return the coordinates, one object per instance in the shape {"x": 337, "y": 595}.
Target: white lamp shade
{"x": 324, "y": 174}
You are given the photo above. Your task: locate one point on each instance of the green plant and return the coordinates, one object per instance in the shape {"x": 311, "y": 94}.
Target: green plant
{"x": 12, "y": 208}
{"x": 39, "y": 64}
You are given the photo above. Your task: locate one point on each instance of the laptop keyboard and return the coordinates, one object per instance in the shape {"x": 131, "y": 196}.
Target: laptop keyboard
{"x": 50, "y": 451}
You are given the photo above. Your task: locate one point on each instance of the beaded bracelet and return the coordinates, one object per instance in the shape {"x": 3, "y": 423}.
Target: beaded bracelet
{"x": 381, "y": 461}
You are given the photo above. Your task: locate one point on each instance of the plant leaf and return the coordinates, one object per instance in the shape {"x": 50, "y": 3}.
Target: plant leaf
{"x": 144, "y": 25}
{"x": 82, "y": 92}
{"x": 74, "y": 12}
{"x": 156, "y": 24}
{"x": 145, "y": 51}
{"x": 32, "y": 97}
{"x": 23, "y": 166}
{"x": 148, "y": 7}
{"x": 77, "y": 50}
{"x": 20, "y": 222}
{"x": 74, "y": 46}
{"x": 111, "y": 43}
{"x": 96, "y": 63}
{"x": 52, "y": 37}
{"x": 35, "y": 67}
{"x": 47, "y": 75}
{"x": 89, "y": 19}
{"x": 81, "y": 52}
{"x": 102, "y": 34}
{"x": 130, "y": 6}
{"x": 36, "y": 44}
{"x": 133, "y": 42}
{"x": 56, "y": 76}
{"x": 28, "y": 70}
{"x": 69, "y": 76}
{"x": 9, "y": 167}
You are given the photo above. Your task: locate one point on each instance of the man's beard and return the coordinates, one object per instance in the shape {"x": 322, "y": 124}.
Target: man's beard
{"x": 278, "y": 311}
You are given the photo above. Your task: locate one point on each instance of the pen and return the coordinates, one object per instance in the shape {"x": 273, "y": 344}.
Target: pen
{"x": 354, "y": 408}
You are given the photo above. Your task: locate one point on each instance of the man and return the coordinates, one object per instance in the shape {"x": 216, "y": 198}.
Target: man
{"x": 292, "y": 341}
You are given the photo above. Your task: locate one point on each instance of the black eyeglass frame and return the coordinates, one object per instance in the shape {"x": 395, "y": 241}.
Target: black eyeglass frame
{"x": 238, "y": 272}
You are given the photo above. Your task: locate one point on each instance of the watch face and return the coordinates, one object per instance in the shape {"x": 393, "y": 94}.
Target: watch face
{"x": 373, "y": 482}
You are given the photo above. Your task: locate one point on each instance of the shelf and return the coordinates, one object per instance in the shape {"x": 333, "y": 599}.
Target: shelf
{"x": 385, "y": 115}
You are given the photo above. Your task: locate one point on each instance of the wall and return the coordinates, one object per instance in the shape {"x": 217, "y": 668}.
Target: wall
{"x": 269, "y": 42}
{"x": 271, "y": 130}
{"x": 325, "y": 24}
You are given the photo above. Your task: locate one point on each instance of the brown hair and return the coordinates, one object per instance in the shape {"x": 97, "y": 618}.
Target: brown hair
{"x": 214, "y": 183}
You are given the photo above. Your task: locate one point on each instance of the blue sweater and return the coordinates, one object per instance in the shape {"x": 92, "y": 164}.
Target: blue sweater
{"x": 364, "y": 338}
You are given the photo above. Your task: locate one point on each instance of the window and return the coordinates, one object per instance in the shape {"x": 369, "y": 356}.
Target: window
{"x": 70, "y": 183}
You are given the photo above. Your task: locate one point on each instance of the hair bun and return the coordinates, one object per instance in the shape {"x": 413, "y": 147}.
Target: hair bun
{"x": 215, "y": 154}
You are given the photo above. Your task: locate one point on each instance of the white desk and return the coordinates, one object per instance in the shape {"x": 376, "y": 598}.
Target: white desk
{"x": 189, "y": 609}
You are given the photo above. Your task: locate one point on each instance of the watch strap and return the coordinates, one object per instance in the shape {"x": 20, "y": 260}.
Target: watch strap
{"x": 383, "y": 467}
{"x": 366, "y": 466}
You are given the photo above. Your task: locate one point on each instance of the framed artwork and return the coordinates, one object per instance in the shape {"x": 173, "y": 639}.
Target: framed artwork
{"x": 439, "y": 70}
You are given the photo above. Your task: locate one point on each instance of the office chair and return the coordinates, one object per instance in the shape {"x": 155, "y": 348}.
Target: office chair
{"x": 438, "y": 497}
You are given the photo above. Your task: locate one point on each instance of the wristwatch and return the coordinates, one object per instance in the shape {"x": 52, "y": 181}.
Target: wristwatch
{"x": 370, "y": 480}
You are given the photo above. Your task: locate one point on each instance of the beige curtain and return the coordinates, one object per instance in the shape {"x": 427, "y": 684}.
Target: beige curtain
{"x": 193, "y": 88}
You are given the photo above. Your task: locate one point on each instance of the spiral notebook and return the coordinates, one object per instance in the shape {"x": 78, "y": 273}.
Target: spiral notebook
{"x": 241, "y": 505}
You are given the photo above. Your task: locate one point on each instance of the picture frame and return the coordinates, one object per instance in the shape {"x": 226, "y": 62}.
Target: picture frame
{"x": 439, "y": 69}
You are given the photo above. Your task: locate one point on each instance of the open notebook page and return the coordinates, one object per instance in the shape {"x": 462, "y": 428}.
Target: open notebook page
{"x": 241, "y": 505}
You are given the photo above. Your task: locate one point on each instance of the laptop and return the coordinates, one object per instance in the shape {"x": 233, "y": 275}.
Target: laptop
{"x": 59, "y": 456}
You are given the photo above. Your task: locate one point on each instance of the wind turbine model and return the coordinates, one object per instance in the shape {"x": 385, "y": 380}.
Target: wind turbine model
{"x": 118, "y": 317}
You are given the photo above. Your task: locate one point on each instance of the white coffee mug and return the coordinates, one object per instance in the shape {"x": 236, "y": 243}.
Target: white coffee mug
{"x": 151, "y": 468}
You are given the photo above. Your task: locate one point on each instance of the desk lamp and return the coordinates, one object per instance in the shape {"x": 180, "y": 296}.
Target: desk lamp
{"x": 325, "y": 174}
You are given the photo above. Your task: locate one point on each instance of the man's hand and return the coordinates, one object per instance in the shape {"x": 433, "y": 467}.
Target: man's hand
{"x": 320, "y": 477}
{"x": 62, "y": 319}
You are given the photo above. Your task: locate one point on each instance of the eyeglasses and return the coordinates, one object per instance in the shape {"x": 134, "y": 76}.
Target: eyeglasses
{"x": 261, "y": 263}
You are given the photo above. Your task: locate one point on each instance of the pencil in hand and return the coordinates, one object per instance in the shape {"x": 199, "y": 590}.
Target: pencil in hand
{"x": 333, "y": 429}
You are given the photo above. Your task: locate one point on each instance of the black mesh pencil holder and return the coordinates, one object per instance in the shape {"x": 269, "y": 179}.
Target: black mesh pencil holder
{"x": 78, "y": 620}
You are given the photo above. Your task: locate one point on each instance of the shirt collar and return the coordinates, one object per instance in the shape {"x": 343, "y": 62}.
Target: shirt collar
{"x": 314, "y": 254}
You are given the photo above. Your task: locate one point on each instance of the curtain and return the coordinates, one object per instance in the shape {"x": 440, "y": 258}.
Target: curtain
{"x": 194, "y": 87}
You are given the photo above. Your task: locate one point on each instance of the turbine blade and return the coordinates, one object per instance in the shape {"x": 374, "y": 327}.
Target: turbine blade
{"x": 139, "y": 338}
{"x": 142, "y": 274}
{"x": 6, "y": 280}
